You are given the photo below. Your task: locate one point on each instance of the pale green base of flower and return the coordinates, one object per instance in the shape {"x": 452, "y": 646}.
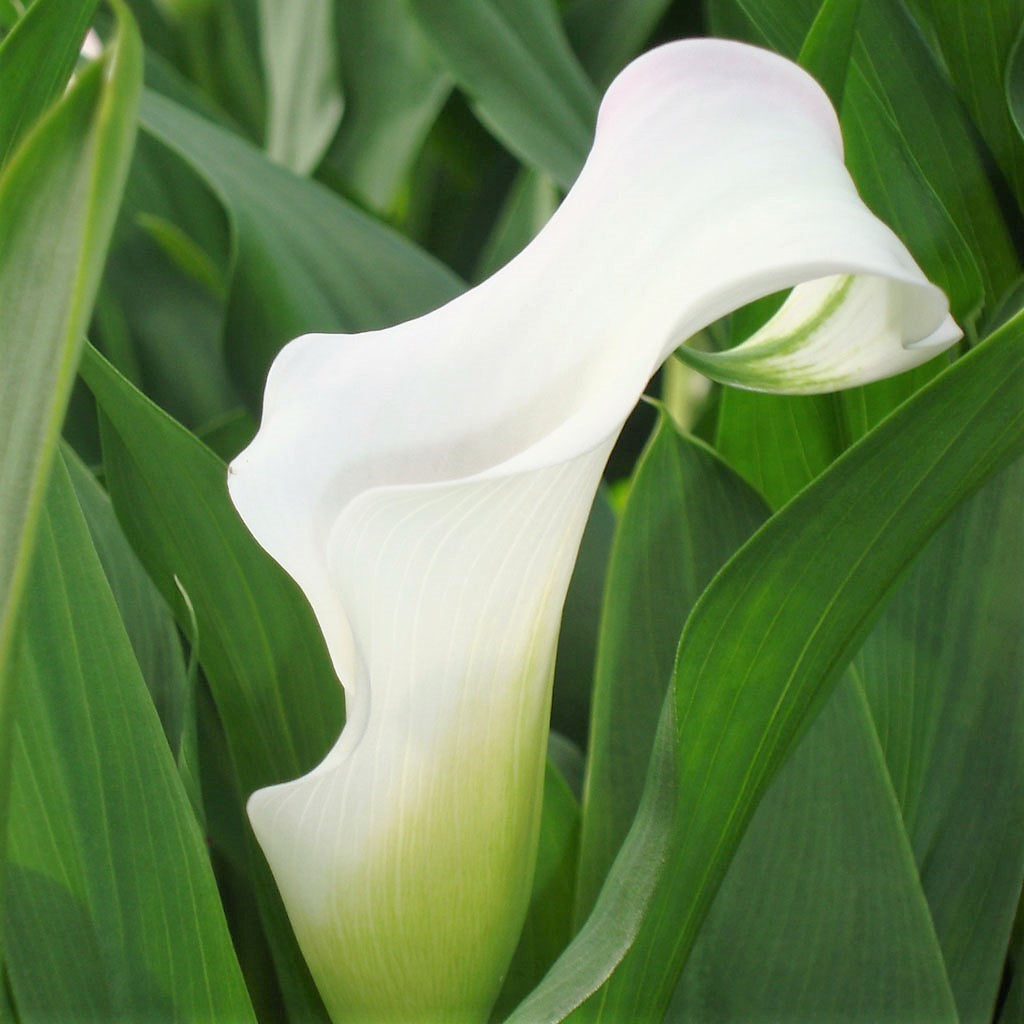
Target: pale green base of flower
{"x": 422, "y": 926}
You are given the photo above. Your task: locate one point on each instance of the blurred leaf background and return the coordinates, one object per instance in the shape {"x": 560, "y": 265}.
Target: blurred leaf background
{"x": 812, "y": 808}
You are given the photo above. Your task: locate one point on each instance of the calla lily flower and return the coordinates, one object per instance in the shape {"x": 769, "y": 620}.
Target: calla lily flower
{"x": 427, "y": 487}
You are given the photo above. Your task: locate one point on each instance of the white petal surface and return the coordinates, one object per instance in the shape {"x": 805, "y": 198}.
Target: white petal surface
{"x": 427, "y": 486}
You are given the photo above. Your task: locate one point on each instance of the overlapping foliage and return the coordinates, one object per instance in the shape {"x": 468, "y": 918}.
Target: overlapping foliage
{"x": 819, "y": 599}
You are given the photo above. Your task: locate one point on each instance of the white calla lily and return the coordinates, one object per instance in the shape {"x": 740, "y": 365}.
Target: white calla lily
{"x": 427, "y": 486}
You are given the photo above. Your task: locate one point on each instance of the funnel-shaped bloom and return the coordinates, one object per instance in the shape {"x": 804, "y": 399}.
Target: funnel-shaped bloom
{"x": 427, "y": 486}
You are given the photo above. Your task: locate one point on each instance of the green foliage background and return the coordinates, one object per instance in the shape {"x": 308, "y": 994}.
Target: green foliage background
{"x": 786, "y": 780}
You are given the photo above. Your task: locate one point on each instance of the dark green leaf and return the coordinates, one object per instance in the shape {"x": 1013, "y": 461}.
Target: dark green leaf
{"x": 686, "y": 513}
{"x": 826, "y": 48}
{"x": 577, "y": 638}
{"x": 608, "y": 33}
{"x": 980, "y": 44}
{"x": 513, "y": 60}
{"x": 548, "y": 925}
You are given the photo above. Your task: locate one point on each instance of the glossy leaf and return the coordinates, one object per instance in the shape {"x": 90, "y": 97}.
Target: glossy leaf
{"x": 827, "y": 47}
{"x": 793, "y": 620}
{"x": 59, "y": 194}
{"x": 512, "y": 59}
{"x": 111, "y": 895}
{"x": 685, "y": 515}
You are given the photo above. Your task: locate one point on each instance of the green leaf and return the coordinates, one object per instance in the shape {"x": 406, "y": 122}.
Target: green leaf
{"x": 59, "y": 195}
{"x": 685, "y": 515}
{"x": 144, "y": 613}
{"x": 530, "y": 202}
{"x": 943, "y": 670}
{"x": 394, "y": 90}
{"x": 980, "y": 45}
{"x": 771, "y": 635}
{"x": 608, "y": 33}
{"x": 1015, "y": 83}
{"x": 577, "y": 637}
{"x": 780, "y": 443}
{"x": 826, "y": 49}
{"x": 258, "y": 634}
{"x": 111, "y": 895}
{"x": 162, "y": 298}
{"x": 908, "y": 145}
{"x": 259, "y": 639}
{"x": 821, "y": 916}
{"x": 303, "y": 259}
{"x": 36, "y": 58}
{"x": 304, "y": 102}
{"x": 548, "y": 926}
{"x": 512, "y": 59}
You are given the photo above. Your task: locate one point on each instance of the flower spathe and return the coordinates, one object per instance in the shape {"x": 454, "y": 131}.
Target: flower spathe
{"x": 427, "y": 486}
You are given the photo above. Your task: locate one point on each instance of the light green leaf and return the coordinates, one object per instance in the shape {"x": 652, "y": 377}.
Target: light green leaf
{"x": 512, "y": 59}
{"x": 686, "y": 513}
{"x": 943, "y": 670}
{"x": 36, "y": 58}
{"x": 303, "y": 259}
{"x": 258, "y": 636}
{"x": 821, "y": 916}
{"x": 58, "y": 196}
{"x": 771, "y": 635}
{"x": 304, "y": 101}
{"x": 394, "y": 90}
{"x": 111, "y": 895}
